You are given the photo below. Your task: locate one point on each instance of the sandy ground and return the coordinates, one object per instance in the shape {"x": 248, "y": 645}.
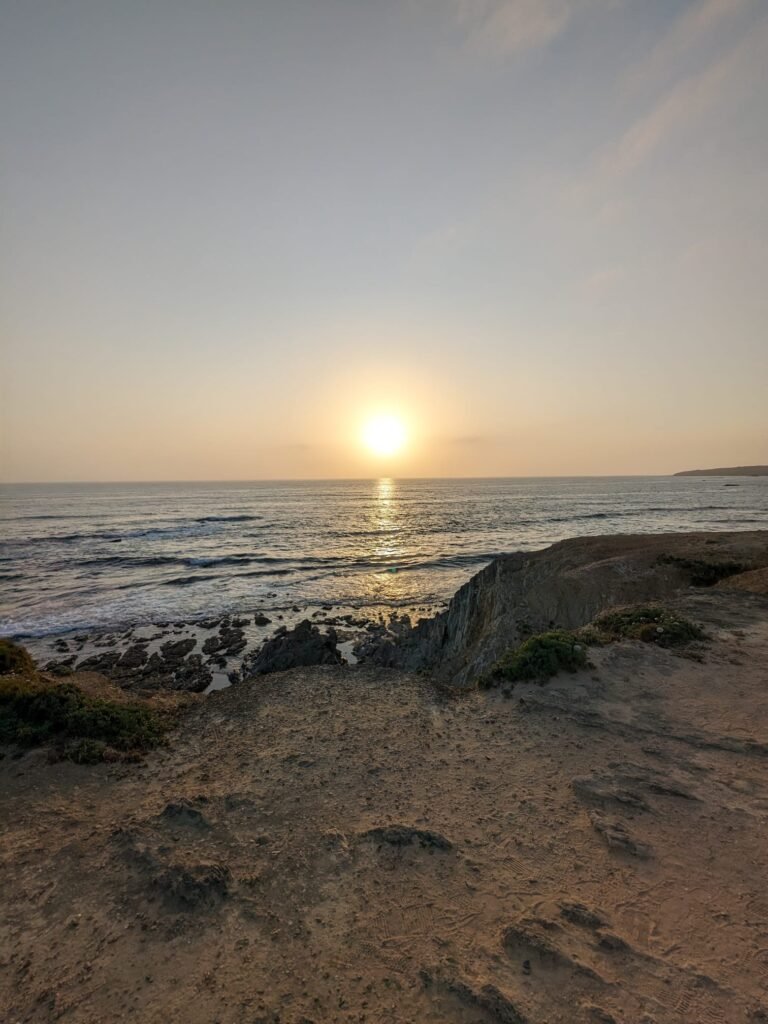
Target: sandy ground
{"x": 354, "y": 845}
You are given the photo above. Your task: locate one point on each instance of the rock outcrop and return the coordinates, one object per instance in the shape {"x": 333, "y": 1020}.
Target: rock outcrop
{"x": 564, "y": 586}
{"x": 300, "y": 647}
{"x": 170, "y": 668}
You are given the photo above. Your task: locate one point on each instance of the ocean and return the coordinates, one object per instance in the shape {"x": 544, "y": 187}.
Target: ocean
{"x": 102, "y": 556}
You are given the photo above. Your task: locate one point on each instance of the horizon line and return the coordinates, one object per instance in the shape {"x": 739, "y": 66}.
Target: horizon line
{"x": 342, "y": 479}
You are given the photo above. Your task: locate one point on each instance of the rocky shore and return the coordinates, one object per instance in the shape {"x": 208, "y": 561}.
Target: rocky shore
{"x": 347, "y": 843}
{"x": 516, "y": 596}
{"x": 209, "y": 654}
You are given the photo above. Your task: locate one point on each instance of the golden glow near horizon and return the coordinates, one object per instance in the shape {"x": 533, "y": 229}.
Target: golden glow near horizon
{"x": 384, "y": 435}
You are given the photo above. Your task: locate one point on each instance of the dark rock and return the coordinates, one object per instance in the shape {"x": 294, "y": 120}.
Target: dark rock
{"x": 134, "y": 656}
{"x": 100, "y": 662}
{"x": 234, "y": 641}
{"x": 62, "y": 667}
{"x": 261, "y": 620}
{"x": 212, "y": 644}
{"x": 304, "y": 645}
{"x": 175, "y": 650}
{"x": 191, "y": 675}
{"x": 229, "y": 641}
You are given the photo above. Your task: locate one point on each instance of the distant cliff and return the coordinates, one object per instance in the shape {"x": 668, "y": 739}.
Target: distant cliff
{"x": 728, "y": 471}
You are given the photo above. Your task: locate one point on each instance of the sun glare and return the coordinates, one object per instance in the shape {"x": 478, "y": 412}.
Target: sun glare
{"x": 384, "y": 435}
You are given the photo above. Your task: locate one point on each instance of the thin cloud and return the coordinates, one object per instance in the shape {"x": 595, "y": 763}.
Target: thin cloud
{"x": 692, "y": 28}
{"x": 725, "y": 80}
{"x": 514, "y": 26}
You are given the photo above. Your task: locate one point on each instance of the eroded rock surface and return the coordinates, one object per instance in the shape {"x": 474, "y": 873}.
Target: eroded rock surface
{"x": 564, "y": 586}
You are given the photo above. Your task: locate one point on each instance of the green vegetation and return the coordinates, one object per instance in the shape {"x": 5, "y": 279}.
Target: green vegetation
{"x": 544, "y": 655}
{"x": 86, "y": 751}
{"x": 650, "y": 624}
{"x": 14, "y": 658}
{"x": 83, "y": 728}
{"x": 538, "y": 659}
{"x": 702, "y": 573}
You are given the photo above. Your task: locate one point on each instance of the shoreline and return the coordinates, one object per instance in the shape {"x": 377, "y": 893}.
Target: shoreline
{"x": 64, "y": 652}
{"x": 95, "y": 565}
{"x": 207, "y": 654}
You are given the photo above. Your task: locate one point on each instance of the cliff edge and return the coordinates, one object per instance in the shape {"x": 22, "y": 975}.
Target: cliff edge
{"x": 563, "y": 586}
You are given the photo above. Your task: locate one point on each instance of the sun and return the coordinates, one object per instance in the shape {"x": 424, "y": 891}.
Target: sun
{"x": 384, "y": 435}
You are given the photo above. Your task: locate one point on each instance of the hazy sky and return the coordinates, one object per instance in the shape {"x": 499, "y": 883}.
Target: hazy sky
{"x": 535, "y": 229}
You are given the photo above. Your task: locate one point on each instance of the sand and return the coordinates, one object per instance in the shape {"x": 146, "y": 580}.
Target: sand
{"x": 352, "y": 844}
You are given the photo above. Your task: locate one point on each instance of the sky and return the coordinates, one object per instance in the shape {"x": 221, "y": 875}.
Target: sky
{"x": 232, "y": 231}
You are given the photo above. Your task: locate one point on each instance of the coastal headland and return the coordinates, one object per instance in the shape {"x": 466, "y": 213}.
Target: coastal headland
{"x": 727, "y": 471}
{"x": 548, "y": 802}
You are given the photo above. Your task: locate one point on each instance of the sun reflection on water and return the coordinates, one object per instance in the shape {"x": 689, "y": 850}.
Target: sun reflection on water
{"x": 387, "y": 549}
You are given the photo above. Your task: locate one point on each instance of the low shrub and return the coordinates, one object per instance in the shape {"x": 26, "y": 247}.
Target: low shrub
{"x": 85, "y": 751}
{"x": 14, "y": 659}
{"x": 33, "y": 712}
{"x": 539, "y": 658}
{"x": 650, "y": 624}
{"x": 545, "y": 654}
